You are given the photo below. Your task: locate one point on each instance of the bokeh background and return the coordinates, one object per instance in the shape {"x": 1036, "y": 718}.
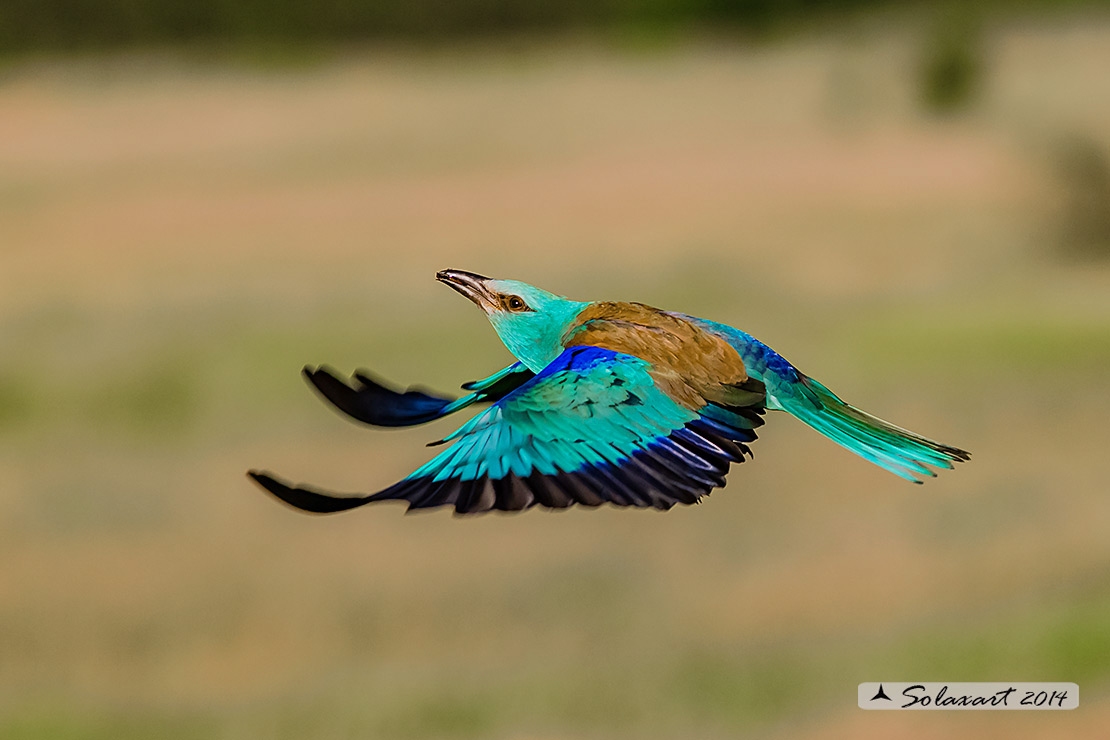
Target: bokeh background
{"x": 911, "y": 203}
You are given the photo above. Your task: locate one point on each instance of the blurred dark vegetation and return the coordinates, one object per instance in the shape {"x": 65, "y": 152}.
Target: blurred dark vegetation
{"x": 28, "y": 25}
{"x": 1084, "y": 172}
{"x": 953, "y": 58}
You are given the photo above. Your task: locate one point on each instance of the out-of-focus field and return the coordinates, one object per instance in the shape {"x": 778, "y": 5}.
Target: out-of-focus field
{"x": 177, "y": 239}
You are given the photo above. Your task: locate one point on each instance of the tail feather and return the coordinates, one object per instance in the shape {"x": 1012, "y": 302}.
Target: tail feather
{"x": 898, "y": 450}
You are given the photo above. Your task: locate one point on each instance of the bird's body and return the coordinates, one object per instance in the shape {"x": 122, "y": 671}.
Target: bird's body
{"x": 608, "y": 402}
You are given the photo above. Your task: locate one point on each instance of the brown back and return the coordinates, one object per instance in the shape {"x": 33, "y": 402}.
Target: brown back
{"x": 689, "y": 364}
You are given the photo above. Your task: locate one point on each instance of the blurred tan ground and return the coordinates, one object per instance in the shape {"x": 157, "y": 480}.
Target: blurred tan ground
{"x": 178, "y": 239}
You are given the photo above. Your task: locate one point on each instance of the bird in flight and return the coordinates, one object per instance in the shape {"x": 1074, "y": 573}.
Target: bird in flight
{"x": 607, "y": 402}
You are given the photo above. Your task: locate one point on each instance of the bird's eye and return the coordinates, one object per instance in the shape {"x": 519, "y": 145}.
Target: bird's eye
{"x": 515, "y": 303}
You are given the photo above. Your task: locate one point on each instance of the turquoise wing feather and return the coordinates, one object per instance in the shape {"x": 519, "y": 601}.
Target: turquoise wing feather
{"x": 592, "y": 427}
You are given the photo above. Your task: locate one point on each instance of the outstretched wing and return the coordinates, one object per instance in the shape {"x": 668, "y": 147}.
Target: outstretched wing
{"x": 371, "y": 401}
{"x": 592, "y": 427}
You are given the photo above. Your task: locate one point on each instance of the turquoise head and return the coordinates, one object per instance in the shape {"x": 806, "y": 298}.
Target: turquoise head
{"x": 530, "y": 321}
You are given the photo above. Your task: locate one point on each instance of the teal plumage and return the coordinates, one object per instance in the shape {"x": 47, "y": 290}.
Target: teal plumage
{"x": 609, "y": 402}
{"x": 898, "y": 450}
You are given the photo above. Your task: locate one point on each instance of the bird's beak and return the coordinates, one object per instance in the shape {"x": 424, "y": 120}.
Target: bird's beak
{"x": 475, "y": 287}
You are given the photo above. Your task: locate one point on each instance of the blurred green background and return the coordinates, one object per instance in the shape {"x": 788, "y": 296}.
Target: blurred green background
{"x": 911, "y": 205}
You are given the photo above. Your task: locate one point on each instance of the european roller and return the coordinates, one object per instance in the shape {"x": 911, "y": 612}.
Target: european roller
{"x": 607, "y": 402}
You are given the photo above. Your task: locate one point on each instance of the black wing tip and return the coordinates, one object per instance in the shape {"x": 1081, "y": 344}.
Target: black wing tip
{"x": 371, "y": 401}
{"x": 261, "y": 477}
{"x": 364, "y": 376}
{"x": 303, "y": 499}
{"x": 318, "y": 376}
{"x": 312, "y": 372}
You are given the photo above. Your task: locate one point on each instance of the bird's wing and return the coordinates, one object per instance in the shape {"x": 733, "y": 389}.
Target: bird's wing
{"x": 371, "y": 401}
{"x": 592, "y": 427}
